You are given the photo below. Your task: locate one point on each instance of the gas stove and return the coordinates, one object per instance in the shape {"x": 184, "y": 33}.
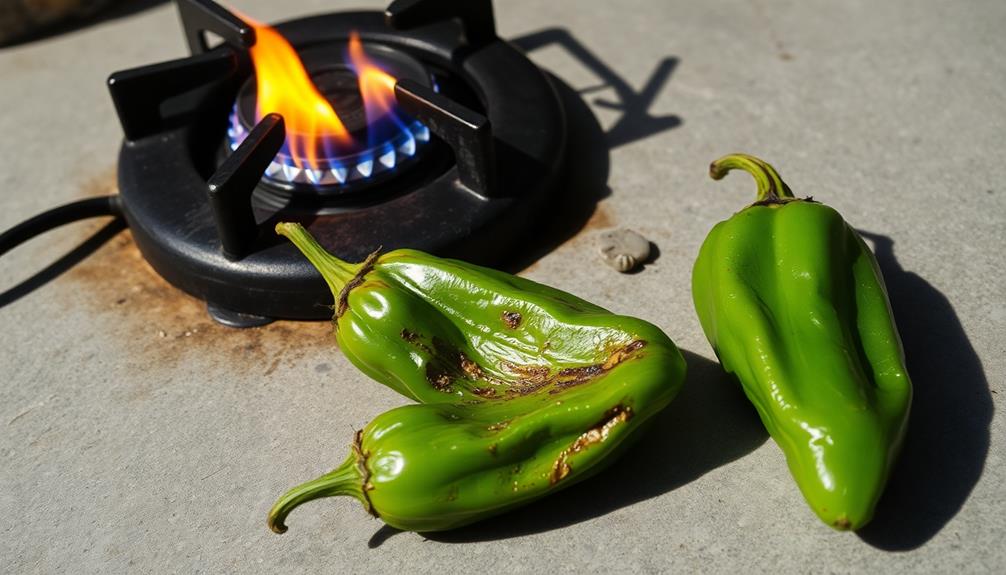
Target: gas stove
{"x": 413, "y": 128}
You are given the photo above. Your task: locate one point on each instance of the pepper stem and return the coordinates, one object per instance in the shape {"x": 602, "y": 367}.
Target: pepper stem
{"x": 336, "y": 272}
{"x": 343, "y": 480}
{"x": 771, "y": 188}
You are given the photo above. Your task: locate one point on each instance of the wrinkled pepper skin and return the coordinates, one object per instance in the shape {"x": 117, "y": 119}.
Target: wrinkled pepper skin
{"x": 523, "y": 389}
{"x": 793, "y": 302}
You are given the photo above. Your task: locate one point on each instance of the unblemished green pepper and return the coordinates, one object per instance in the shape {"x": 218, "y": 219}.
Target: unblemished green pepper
{"x": 793, "y": 302}
{"x": 523, "y": 389}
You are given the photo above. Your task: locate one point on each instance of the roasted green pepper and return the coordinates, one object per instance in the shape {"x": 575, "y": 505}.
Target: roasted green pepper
{"x": 523, "y": 389}
{"x": 793, "y": 302}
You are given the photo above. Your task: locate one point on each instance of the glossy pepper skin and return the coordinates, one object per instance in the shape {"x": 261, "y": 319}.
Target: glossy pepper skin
{"x": 793, "y": 302}
{"x": 522, "y": 389}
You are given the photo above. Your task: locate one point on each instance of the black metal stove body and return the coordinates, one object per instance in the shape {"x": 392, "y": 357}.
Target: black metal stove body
{"x": 203, "y": 215}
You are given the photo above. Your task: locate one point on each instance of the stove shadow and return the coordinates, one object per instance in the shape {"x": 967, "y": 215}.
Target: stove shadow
{"x": 709, "y": 424}
{"x": 635, "y": 123}
{"x": 67, "y": 261}
{"x": 584, "y": 178}
{"x": 948, "y": 429}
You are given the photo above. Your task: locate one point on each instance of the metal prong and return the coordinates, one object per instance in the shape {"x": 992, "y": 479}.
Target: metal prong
{"x": 201, "y": 16}
{"x": 466, "y": 131}
{"x": 138, "y": 93}
{"x": 231, "y": 187}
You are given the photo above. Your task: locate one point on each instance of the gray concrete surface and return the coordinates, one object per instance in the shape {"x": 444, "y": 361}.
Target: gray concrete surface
{"x": 135, "y": 436}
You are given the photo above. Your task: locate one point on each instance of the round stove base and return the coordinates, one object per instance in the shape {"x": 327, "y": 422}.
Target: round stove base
{"x": 164, "y": 168}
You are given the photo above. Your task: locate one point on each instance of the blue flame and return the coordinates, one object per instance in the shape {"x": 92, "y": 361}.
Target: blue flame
{"x": 388, "y": 147}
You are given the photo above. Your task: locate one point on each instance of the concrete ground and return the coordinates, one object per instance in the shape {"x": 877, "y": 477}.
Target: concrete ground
{"x": 137, "y": 436}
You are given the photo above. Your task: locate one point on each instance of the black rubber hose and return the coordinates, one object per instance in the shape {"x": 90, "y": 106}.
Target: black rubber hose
{"x": 72, "y": 212}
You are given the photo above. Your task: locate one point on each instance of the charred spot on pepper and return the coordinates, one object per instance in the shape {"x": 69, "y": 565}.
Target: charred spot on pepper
{"x": 470, "y": 368}
{"x": 527, "y": 373}
{"x": 512, "y": 319}
{"x": 415, "y": 339}
{"x": 455, "y": 360}
{"x": 535, "y": 377}
{"x": 342, "y": 302}
{"x": 571, "y": 374}
{"x": 361, "y": 465}
{"x": 530, "y": 378}
{"x": 777, "y": 202}
{"x": 450, "y": 364}
{"x": 486, "y": 392}
{"x": 596, "y": 434}
{"x": 438, "y": 378}
{"x": 493, "y": 448}
{"x": 623, "y": 353}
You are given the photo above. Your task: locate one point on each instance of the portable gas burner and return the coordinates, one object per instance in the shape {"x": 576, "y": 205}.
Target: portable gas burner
{"x": 415, "y": 128}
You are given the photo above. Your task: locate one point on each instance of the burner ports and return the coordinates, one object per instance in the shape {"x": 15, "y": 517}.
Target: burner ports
{"x": 345, "y": 130}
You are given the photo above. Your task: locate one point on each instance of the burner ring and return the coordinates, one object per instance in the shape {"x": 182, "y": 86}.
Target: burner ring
{"x": 383, "y": 149}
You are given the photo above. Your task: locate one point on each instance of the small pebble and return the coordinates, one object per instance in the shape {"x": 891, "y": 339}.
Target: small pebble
{"x": 623, "y": 249}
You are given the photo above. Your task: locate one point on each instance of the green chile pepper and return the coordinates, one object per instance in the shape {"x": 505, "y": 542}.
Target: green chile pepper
{"x": 523, "y": 389}
{"x": 793, "y": 302}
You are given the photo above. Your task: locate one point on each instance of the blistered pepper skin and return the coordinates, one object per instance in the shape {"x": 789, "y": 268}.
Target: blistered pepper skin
{"x": 523, "y": 389}
{"x": 793, "y": 302}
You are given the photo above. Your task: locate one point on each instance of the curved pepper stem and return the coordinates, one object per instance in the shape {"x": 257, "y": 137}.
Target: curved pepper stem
{"x": 340, "y": 276}
{"x": 771, "y": 188}
{"x": 343, "y": 480}
{"x": 335, "y": 271}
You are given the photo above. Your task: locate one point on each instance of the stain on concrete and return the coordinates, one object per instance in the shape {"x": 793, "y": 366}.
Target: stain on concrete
{"x": 161, "y": 324}
{"x": 602, "y": 218}
{"x": 103, "y": 183}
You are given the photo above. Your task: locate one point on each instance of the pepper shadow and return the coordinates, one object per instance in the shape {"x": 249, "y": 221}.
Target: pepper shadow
{"x": 948, "y": 429}
{"x": 669, "y": 454}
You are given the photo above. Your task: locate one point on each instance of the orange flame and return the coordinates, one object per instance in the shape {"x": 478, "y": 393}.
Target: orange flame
{"x": 377, "y": 87}
{"x": 285, "y": 88}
